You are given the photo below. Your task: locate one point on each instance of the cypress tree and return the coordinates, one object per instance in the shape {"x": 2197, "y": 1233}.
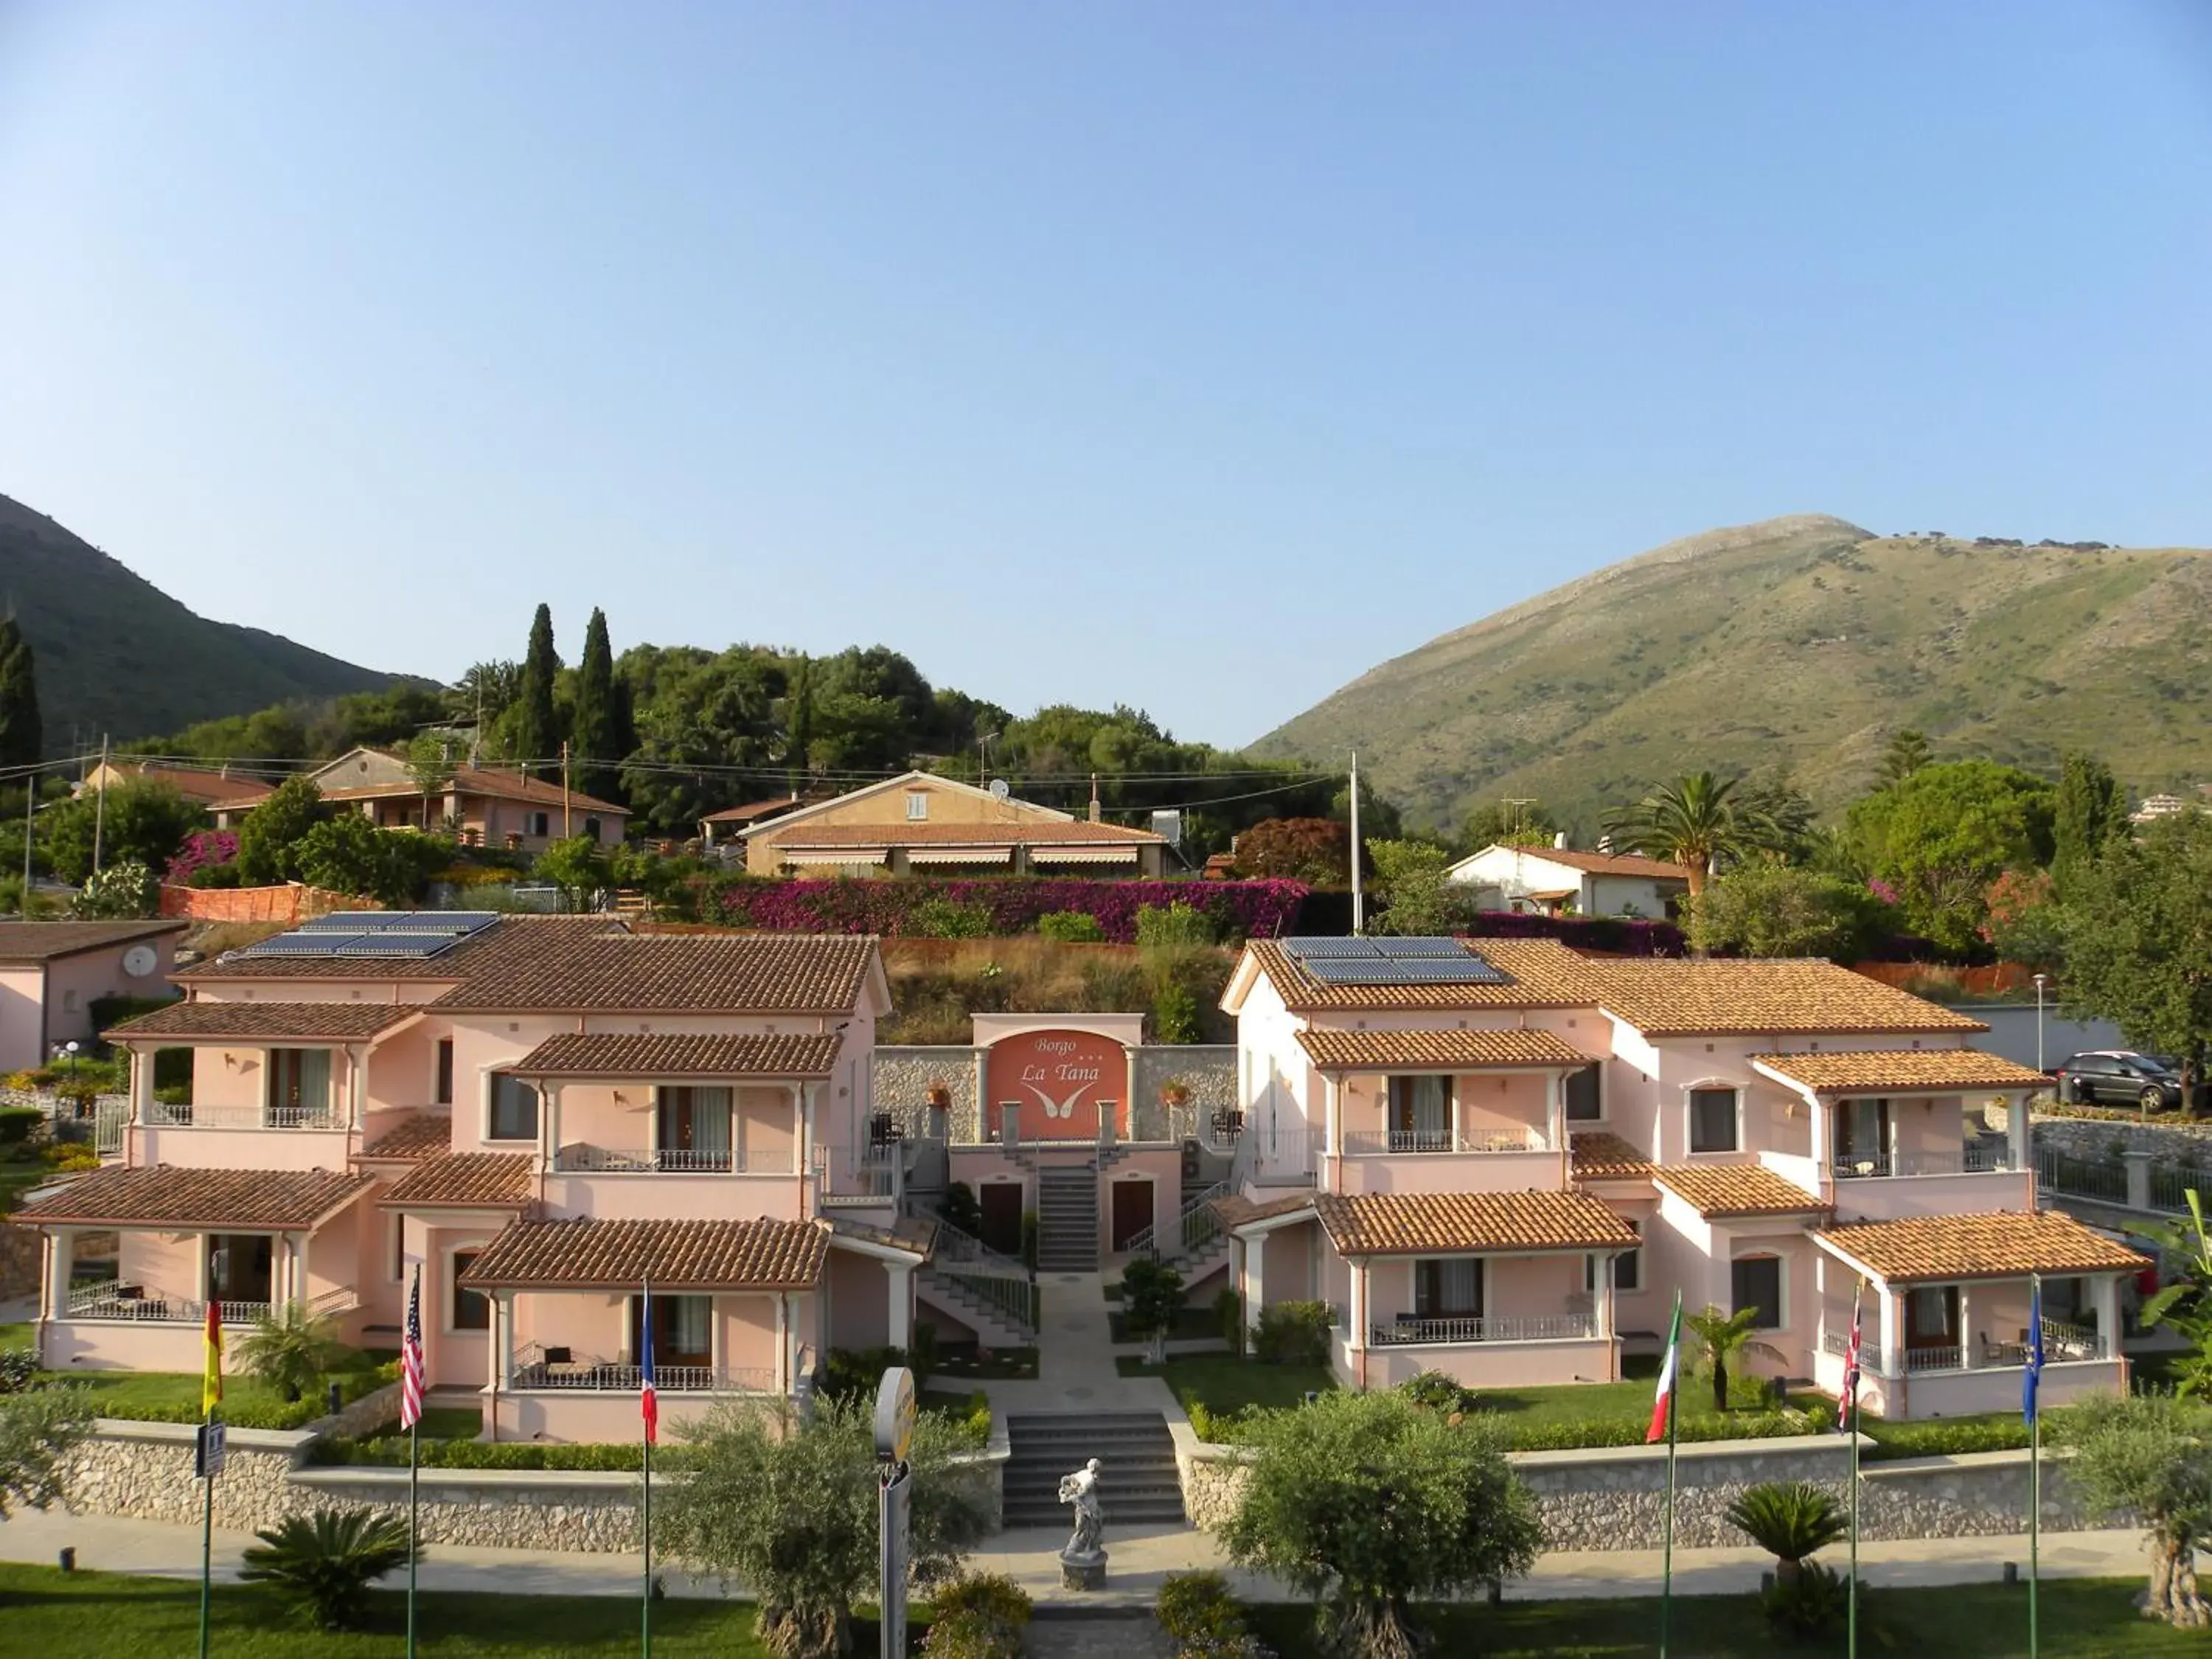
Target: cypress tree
{"x": 594, "y": 737}
{"x": 19, "y": 698}
{"x": 799, "y": 721}
{"x": 2090, "y": 812}
{"x": 537, "y": 727}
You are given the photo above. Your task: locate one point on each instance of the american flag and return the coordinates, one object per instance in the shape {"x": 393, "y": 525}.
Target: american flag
{"x": 1850, "y": 1399}
{"x": 648, "y": 1401}
{"x": 410, "y": 1358}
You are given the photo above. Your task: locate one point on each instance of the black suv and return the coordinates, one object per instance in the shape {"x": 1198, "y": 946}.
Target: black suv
{"x": 2114, "y": 1077}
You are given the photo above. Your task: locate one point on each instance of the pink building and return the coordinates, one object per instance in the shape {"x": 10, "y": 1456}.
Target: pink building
{"x": 1500, "y": 1159}
{"x": 52, "y": 972}
{"x": 540, "y": 1115}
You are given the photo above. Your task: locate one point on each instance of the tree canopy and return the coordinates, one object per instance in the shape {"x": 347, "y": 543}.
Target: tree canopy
{"x": 19, "y": 697}
{"x": 537, "y": 724}
{"x": 2137, "y": 929}
{"x": 269, "y": 836}
{"x": 144, "y": 821}
{"x": 1769, "y": 909}
{"x": 1941, "y": 836}
{"x": 1508, "y": 824}
{"x": 2089, "y": 812}
{"x": 1698, "y": 821}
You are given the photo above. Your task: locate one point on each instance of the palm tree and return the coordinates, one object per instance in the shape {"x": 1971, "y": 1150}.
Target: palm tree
{"x": 289, "y": 1349}
{"x": 1726, "y": 1339}
{"x": 330, "y": 1559}
{"x": 1695, "y": 821}
{"x": 1790, "y": 1521}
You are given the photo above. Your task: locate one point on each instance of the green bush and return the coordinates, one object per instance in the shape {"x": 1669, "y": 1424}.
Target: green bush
{"x": 16, "y": 1123}
{"x": 1071, "y": 927}
{"x": 330, "y": 1559}
{"x": 978, "y": 1616}
{"x": 960, "y": 1209}
{"x": 857, "y": 1373}
{"x": 1202, "y": 1618}
{"x": 1938, "y": 1439}
{"x": 1293, "y": 1333}
{"x": 1810, "y": 1604}
{"x": 1176, "y": 923}
{"x": 1229, "y": 1311}
{"x": 1790, "y": 1520}
{"x": 1175, "y": 1016}
{"x": 1584, "y": 1433}
{"x": 391, "y": 1452}
{"x": 1440, "y": 1392}
{"x": 18, "y": 1369}
{"x": 944, "y": 918}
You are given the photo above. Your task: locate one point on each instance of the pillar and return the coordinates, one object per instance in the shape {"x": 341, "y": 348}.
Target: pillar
{"x": 61, "y": 1268}
{"x": 1892, "y": 1331}
{"x": 548, "y": 1126}
{"x": 502, "y": 1338}
{"x": 1356, "y": 1315}
{"x": 1255, "y": 1279}
{"x": 2018, "y": 1146}
{"x": 300, "y": 1241}
{"x": 2105, "y": 1301}
{"x": 1823, "y": 1138}
{"x": 1970, "y": 1355}
{"x": 980, "y": 1068}
{"x": 1604, "y": 1281}
{"x": 142, "y": 1084}
{"x": 356, "y": 1086}
{"x": 902, "y": 1292}
{"x": 782, "y": 1343}
{"x": 2138, "y": 1170}
{"x": 1555, "y": 1111}
{"x": 1332, "y": 1132}
{"x": 717, "y": 1349}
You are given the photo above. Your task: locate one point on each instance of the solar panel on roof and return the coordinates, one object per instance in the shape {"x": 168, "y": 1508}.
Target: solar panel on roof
{"x": 1466, "y": 970}
{"x": 296, "y": 944}
{"x": 1317, "y": 949}
{"x": 338, "y": 921}
{"x": 1402, "y": 948}
{"x": 413, "y": 946}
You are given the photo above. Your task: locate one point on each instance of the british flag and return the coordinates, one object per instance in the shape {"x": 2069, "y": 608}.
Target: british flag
{"x": 410, "y": 1358}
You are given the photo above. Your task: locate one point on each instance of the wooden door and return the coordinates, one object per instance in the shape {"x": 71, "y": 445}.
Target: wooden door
{"x": 1001, "y": 1201}
{"x": 1133, "y": 1211}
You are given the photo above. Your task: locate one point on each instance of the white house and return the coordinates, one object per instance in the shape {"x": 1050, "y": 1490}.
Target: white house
{"x": 1553, "y": 879}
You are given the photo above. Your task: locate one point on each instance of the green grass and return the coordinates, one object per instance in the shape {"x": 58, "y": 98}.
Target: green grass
{"x": 174, "y": 1396}
{"x": 1224, "y": 1384}
{"x": 17, "y": 1176}
{"x": 90, "y": 1615}
{"x": 1630, "y": 1399}
{"x": 440, "y": 1423}
{"x": 2080, "y": 1618}
{"x": 14, "y": 1336}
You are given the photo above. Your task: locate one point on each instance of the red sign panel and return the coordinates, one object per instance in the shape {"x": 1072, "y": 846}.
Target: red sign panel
{"x": 1060, "y": 1080}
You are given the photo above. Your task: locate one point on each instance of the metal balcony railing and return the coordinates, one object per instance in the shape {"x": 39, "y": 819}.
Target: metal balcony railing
{"x": 166, "y": 1115}
{"x": 578, "y": 1158}
{"x": 533, "y": 1369}
{"x": 1967, "y": 1160}
{"x": 2061, "y": 1342}
{"x": 107, "y": 1299}
{"x": 1371, "y": 1142}
{"x": 1542, "y": 1328}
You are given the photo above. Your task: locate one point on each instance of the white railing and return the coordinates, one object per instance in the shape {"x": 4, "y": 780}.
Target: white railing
{"x": 1371, "y": 1142}
{"x": 578, "y": 1158}
{"x": 111, "y": 1118}
{"x": 875, "y": 1170}
{"x": 1932, "y": 1359}
{"x": 588, "y": 1375}
{"x": 1541, "y": 1328}
{"x": 343, "y": 1299}
{"x": 2061, "y": 1342}
{"x": 107, "y": 1299}
{"x": 1196, "y": 1228}
{"x": 964, "y": 1250}
{"x": 166, "y": 1115}
{"x": 1000, "y": 1283}
{"x": 1967, "y": 1160}
{"x": 1280, "y": 1154}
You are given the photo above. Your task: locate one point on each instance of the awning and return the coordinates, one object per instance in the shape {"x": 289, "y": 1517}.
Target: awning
{"x": 959, "y": 854}
{"x": 1082, "y": 855}
{"x": 811, "y": 855}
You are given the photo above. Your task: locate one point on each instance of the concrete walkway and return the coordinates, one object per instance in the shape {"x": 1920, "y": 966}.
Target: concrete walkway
{"x": 1075, "y": 1364}
{"x": 1140, "y": 1561}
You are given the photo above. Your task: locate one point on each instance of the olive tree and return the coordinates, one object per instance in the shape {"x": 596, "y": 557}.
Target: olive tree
{"x": 39, "y": 1430}
{"x": 1368, "y": 1503}
{"x": 2147, "y": 1459}
{"x": 788, "y": 1510}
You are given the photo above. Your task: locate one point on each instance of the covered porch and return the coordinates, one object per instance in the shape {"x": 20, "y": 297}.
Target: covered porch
{"x": 734, "y": 1311}
{"x": 242, "y": 1242}
{"x": 1947, "y": 1311}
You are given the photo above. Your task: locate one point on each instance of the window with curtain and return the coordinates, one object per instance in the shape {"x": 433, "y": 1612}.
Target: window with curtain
{"x": 514, "y": 1108}
{"x": 472, "y": 1309}
{"x": 1713, "y": 1120}
{"x": 1756, "y": 1282}
{"x": 299, "y": 1084}
{"x": 1420, "y": 1114}
{"x": 1448, "y": 1289}
{"x": 1584, "y": 1104}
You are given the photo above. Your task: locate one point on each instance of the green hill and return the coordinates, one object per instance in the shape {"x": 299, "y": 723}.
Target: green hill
{"x": 1802, "y": 642}
{"x": 118, "y": 655}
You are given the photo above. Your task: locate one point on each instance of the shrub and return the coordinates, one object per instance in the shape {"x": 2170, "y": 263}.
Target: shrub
{"x": 1790, "y": 1520}
{"x": 19, "y": 1368}
{"x": 289, "y": 1349}
{"x": 960, "y": 1208}
{"x": 1152, "y": 1293}
{"x": 1174, "y": 923}
{"x": 72, "y": 1159}
{"x": 1810, "y": 1604}
{"x": 979, "y": 1616}
{"x": 1071, "y": 927}
{"x": 16, "y": 1123}
{"x": 1440, "y": 1392}
{"x": 1293, "y": 1333}
{"x": 857, "y": 1373}
{"x": 391, "y": 1452}
{"x": 1175, "y": 1017}
{"x": 1939, "y": 1438}
{"x": 330, "y": 1559}
{"x": 1202, "y": 1619}
{"x": 945, "y": 917}
{"x": 1229, "y": 1313}
{"x": 1259, "y": 910}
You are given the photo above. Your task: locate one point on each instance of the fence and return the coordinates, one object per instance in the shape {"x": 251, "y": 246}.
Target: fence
{"x": 294, "y": 902}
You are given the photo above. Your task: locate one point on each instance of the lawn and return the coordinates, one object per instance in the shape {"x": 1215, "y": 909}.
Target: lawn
{"x": 15, "y": 1336}
{"x": 440, "y": 1423}
{"x": 174, "y": 1396}
{"x": 1223, "y": 1384}
{"x": 89, "y": 1615}
{"x": 18, "y": 1175}
{"x": 2080, "y": 1618}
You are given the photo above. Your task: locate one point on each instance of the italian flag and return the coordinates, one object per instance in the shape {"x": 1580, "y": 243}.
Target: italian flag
{"x": 1664, "y": 1402}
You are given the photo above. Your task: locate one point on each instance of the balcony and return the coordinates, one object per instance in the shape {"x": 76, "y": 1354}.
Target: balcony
{"x": 1408, "y": 1331}
{"x": 534, "y": 1366}
{"x": 2063, "y": 1344}
{"x": 108, "y": 1299}
{"x": 1375, "y": 1143}
{"x": 578, "y": 1158}
{"x": 167, "y": 1115}
{"x": 1983, "y": 1160}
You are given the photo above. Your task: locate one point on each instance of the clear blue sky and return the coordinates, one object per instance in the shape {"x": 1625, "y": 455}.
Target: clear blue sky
{"x": 1193, "y": 357}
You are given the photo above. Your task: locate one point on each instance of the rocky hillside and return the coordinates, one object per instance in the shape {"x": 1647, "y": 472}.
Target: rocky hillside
{"x": 1802, "y": 642}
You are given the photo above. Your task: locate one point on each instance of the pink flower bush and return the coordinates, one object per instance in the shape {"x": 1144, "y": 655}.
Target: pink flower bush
{"x": 1882, "y": 891}
{"x": 202, "y": 848}
{"x": 1251, "y": 909}
{"x": 1615, "y": 936}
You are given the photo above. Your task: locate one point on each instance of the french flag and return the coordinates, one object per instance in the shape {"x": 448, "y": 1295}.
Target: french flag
{"x": 648, "y": 1401}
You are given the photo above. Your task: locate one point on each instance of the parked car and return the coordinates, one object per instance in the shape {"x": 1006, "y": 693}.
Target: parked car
{"x": 2118, "y": 1077}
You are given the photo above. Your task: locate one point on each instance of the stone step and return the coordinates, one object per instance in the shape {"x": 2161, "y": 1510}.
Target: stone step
{"x": 1145, "y": 1513}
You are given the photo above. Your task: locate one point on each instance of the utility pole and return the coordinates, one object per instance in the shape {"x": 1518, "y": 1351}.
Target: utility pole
{"x": 565, "y": 831}
{"x": 30, "y": 804}
{"x": 100, "y": 806}
{"x": 1358, "y": 897}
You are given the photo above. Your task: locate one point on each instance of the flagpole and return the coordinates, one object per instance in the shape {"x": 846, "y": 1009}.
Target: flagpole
{"x": 2034, "y": 1458}
{"x": 412, "y": 1387}
{"x": 207, "y": 1556}
{"x": 210, "y": 1403}
{"x": 645, "y": 1346}
{"x": 1852, "y": 1428}
{"x": 414, "y": 1510}
{"x": 1674, "y": 1416}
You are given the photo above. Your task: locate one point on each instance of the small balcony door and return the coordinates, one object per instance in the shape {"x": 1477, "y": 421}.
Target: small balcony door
{"x": 1861, "y": 1133}
{"x": 1447, "y": 1288}
{"x": 1420, "y": 1114}
{"x": 238, "y": 1268}
{"x": 1932, "y": 1316}
{"x": 298, "y": 1087}
{"x": 694, "y": 1126}
{"x": 683, "y": 1331}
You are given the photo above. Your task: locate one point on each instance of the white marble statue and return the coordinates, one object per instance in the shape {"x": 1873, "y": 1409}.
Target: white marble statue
{"x": 1081, "y": 1489}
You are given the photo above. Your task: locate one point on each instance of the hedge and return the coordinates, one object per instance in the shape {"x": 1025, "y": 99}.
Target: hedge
{"x": 1947, "y": 1437}
{"x": 1617, "y": 936}
{"x": 1015, "y": 904}
{"x": 391, "y": 1452}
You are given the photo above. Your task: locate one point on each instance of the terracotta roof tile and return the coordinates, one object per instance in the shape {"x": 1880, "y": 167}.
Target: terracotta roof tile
{"x": 1902, "y": 1068}
{"x": 417, "y": 1134}
{"x": 1540, "y": 974}
{"x": 43, "y": 941}
{"x": 484, "y": 780}
{"x": 1722, "y": 998}
{"x": 1421, "y": 1224}
{"x": 1235, "y": 1212}
{"x": 1720, "y": 1190}
{"x": 210, "y": 788}
{"x": 166, "y": 1196}
{"x": 1462, "y": 1051}
{"x": 484, "y": 952}
{"x": 464, "y": 1181}
{"x": 1600, "y": 1154}
{"x": 337, "y": 1022}
{"x": 1042, "y": 832}
{"x": 1610, "y": 864}
{"x": 2001, "y": 1246}
{"x": 586, "y": 1254}
{"x": 617, "y": 1055}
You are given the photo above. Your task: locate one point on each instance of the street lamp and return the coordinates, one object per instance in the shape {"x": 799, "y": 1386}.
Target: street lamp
{"x": 2041, "y": 980}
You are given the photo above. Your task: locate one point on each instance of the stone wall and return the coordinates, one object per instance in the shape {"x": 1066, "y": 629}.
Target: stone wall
{"x": 904, "y": 1076}
{"x": 1208, "y": 1071}
{"x": 1616, "y": 1497}
{"x": 19, "y": 1261}
{"x": 145, "y": 1470}
{"x": 365, "y": 1415}
{"x": 2101, "y": 1139}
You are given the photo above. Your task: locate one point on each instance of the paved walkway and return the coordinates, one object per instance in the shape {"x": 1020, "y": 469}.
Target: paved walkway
{"x": 1075, "y": 1368}
{"x": 1139, "y": 1562}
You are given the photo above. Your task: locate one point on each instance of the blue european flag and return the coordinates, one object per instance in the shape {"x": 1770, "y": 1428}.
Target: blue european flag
{"x": 2033, "y": 1373}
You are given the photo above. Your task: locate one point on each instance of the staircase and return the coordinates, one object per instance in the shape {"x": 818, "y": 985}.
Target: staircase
{"x": 1137, "y": 1481}
{"x": 997, "y": 1324}
{"x": 1068, "y": 1217}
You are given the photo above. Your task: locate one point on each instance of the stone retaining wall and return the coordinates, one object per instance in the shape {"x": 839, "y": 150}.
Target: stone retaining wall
{"x": 1616, "y": 1497}
{"x": 365, "y": 1415}
{"x": 19, "y": 1261}
{"x": 2095, "y": 1138}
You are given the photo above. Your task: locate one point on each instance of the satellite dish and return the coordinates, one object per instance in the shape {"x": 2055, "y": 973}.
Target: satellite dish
{"x": 1000, "y": 789}
{"x": 139, "y": 961}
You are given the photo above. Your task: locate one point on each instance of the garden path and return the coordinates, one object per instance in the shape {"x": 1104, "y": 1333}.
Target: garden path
{"x": 1075, "y": 1359}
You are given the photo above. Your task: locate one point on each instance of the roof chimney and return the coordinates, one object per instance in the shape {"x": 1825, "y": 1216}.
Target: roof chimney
{"x": 1094, "y": 797}
{"x": 1559, "y": 841}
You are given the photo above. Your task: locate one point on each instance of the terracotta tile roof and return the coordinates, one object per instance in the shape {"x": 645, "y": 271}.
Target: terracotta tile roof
{"x": 417, "y": 1134}
{"x": 1463, "y": 1050}
{"x": 1042, "y": 832}
{"x": 209, "y": 788}
{"x": 1421, "y": 1224}
{"x": 1600, "y": 1154}
{"x": 1235, "y": 1212}
{"x": 1667, "y": 998}
{"x": 1902, "y": 1068}
{"x": 760, "y": 808}
{"x": 1611, "y": 864}
{"x": 914, "y": 1233}
{"x": 1540, "y": 974}
{"x": 497, "y": 1181}
{"x": 617, "y": 1055}
{"x": 484, "y": 780}
{"x": 23, "y": 942}
{"x": 586, "y": 1254}
{"x": 2001, "y": 1246}
{"x": 510, "y": 938}
{"x": 164, "y": 1196}
{"x": 251, "y": 1022}
{"x": 1719, "y": 1190}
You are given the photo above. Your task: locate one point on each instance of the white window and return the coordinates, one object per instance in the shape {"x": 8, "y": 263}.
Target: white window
{"x": 1713, "y": 1120}
{"x": 917, "y": 803}
{"x": 514, "y": 1109}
